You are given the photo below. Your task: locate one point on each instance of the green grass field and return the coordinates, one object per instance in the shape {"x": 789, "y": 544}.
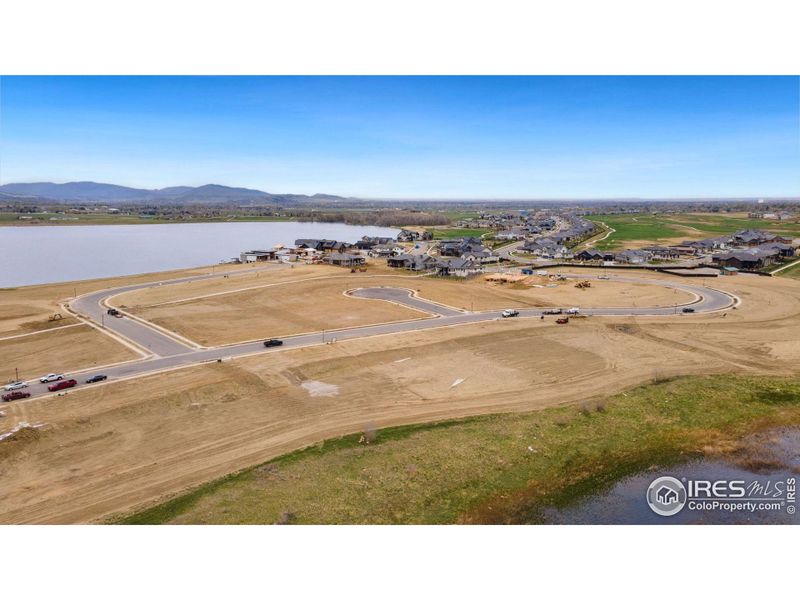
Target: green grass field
{"x": 652, "y": 228}
{"x": 793, "y": 272}
{"x": 500, "y": 468}
{"x": 449, "y": 234}
{"x": 458, "y": 215}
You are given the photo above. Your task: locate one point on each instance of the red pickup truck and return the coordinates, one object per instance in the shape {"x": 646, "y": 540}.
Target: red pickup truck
{"x": 62, "y": 385}
{"x": 15, "y": 396}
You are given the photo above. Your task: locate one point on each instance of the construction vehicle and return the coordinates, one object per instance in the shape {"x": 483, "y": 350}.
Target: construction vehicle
{"x": 583, "y": 284}
{"x": 55, "y": 317}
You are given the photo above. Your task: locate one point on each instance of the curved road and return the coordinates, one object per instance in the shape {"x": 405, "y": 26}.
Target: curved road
{"x": 166, "y": 352}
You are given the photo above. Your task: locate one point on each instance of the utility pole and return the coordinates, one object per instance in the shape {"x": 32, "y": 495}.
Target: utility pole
{"x": 16, "y": 373}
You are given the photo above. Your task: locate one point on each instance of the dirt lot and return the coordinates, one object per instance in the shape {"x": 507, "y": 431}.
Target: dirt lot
{"x": 304, "y": 299}
{"x": 26, "y": 309}
{"x": 125, "y": 445}
{"x": 65, "y": 349}
{"x": 299, "y": 307}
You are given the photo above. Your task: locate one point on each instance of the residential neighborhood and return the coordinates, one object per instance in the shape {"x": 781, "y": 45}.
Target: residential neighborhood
{"x": 542, "y": 238}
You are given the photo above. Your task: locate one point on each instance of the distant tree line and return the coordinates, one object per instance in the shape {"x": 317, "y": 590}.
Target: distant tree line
{"x": 382, "y": 218}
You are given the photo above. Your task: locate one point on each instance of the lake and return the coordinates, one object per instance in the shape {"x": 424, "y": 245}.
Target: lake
{"x": 34, "y": 255}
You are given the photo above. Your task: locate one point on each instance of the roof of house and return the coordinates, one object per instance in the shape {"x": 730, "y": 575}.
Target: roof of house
{"x": 344, "y": 256}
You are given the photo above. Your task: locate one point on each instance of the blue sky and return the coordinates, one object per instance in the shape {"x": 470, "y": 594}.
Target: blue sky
{"x": 410, "y": 137}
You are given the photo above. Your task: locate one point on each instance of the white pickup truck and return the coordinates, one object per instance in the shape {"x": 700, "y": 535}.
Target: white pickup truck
{"x": 573, "y": 311}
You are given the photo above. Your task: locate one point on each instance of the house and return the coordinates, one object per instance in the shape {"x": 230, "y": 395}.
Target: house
{"x": 458, "y": 267}
{"x": 367, "y": 242}
{"x": 784, "y": 250}
{"x": 412, "y": 262}
{"x": 344, "y": 260}
{"x": 662, "y": 252}
{"x": 322, "y": 245}
{"x": 409, "y": 235}
{"x": 748, "y": 260}
{"x": 756, "y": 237}
{"x": 590, "y": 254}
{"x": 515, "y": 233}
{"x": 391, "y": 249}
{"x": 251, "y": 256}
{"x": 463, "y": 247}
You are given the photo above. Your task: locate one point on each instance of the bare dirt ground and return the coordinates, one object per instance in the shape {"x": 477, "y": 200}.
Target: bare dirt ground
{"x": 64, "y": 349}
{"x": 126, "y": 445}
{"x": 309, "y": 298}
{"x": 300, "y": 307}
{"x": 27, "y": 309}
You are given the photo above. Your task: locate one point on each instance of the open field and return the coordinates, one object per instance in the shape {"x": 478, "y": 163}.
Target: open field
{"x": 65, "y": 349}
{"x": 310, "y": 298}
{"x": 123, "y": 446}
{"x": 412, "y": 474}
{"x": 299, "y": 307}
{"x": 454, "y": 233}
{"x": 636, "y": 230}
{"x": 27, "y": 309}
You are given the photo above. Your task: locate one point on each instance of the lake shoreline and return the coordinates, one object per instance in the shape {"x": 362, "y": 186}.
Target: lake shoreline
{"x": 39, "y": 255}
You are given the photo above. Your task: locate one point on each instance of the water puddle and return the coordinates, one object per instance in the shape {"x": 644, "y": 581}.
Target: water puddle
{"x": 767, "y": 464}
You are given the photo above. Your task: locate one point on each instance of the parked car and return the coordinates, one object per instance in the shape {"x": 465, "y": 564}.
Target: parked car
{"x": 15, "y": 396}
{"x": 562, "y": 320}
{"x": 273, "y": 342}
{"x": 96, "y": 378}
{"x": 15, "y": 385}
{"x": 553, "y": 311}
{"x": 51, "y": 377}
{"x": 62, "y": 385}
{"x": 688, "y": 310}
{"x": 509, "y": 312}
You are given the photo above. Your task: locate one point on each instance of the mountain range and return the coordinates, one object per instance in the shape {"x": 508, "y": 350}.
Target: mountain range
{"x": 106, "y": 193}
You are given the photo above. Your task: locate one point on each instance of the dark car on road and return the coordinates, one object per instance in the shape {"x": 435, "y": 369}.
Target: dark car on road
{"x": 553, "y": 311}
{"x": 688, "y": 310}
{"x": 273, "y": 342}
{"x": 15, "y": 396}
{"x": 96, "y": 378}
{"x": 62, "y": 385}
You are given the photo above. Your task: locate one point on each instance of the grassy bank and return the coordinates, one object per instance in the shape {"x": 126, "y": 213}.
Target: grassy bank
{"x": 499, "y": 468}
{"x": 792, "y": 272}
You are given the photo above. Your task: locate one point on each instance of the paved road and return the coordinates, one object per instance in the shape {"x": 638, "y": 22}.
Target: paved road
{"x": 152, "y": 340}
{"x": 172, "y": 354}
